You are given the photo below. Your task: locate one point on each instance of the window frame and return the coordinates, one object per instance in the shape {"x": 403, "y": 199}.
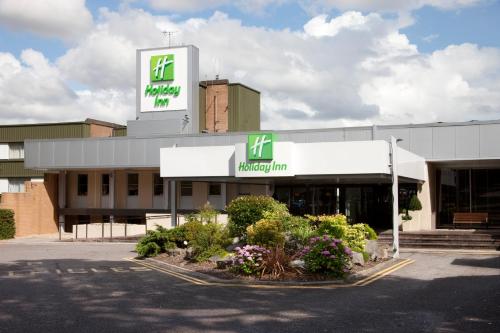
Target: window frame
{"x": 16, "y": 150}
{"x": 158, "y": 185}
{"x": 212, "y": 186}
{"x": 186, "y": 187}
{"x": 105, "y": 186}
{"x": 82, "y": 188}
{"x": 132, "y": 188}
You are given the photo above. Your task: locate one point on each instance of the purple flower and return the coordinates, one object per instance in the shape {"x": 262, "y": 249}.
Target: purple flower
{"x": 347, "y": 251}
{"x": 333, "y": 244}
{"x": 326, "y": 237}
{"x": 240, "y": 261}
{"x": 237, "y": 248}
{"x": 325, "y": 253}
{"x": 332, "y": 257}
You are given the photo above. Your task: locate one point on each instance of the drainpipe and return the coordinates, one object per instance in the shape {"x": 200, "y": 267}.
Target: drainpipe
{"x": 61, "y": 200}
{"x": 173, "y": 203}
{"x": 395, "y": 197}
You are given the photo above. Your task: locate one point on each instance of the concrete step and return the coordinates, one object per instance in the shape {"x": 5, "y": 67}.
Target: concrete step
{"x": 447, "y": 245}
{"x": 450, "y": 239}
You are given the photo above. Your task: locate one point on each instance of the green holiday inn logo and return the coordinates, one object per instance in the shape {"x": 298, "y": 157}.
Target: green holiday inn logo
{"x": 161, "y": 68}
{"x": 260, "y": 155}
{"x": 260, "y": 146}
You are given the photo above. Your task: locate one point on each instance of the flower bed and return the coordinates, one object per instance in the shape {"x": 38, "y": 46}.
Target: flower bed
{"x": 270, "y": 244}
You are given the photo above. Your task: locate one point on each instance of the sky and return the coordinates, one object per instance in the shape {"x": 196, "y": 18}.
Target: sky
{"x": 317, "y": 63}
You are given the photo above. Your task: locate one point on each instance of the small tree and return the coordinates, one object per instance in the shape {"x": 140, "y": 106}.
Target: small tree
{"x": 7, "y": 224}
{"x": 413, "y": 205}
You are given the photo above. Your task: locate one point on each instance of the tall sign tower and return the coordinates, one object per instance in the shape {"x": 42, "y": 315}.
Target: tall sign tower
{"x": 167, "y": 91}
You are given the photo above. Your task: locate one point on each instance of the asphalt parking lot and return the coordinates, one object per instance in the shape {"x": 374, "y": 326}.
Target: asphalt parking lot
{"x": 89, "y": 287}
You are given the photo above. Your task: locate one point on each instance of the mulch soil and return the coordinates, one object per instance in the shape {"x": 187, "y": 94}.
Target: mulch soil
{"x": 291, "y": 274}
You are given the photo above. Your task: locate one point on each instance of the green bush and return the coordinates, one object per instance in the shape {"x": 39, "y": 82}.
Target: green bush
{"x": 355, "y": 237}
{"x": 326, "y": 254}
{"x": 299, "y": 229}
{"x": 7, "y": 224}
{"x": 266, "y": 232}
{"x": 336, "y": 225}
{"x": 370, "y": 233}
{"x": 333, "y": 225}
{"x": 148, "y": 249}
{"x": 414, "y": 204}
{"x": 207, "y": 239}
{"x": 156, "y": 242}
{"x": 247, "y": 210}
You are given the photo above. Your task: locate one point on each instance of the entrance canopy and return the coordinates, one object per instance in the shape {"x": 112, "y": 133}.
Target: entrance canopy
{"x": 355, "y": 159}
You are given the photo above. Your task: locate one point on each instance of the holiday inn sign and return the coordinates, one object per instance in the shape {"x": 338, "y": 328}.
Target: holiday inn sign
{"x": 164, "y": 80}
{"x": 259, "y": 157}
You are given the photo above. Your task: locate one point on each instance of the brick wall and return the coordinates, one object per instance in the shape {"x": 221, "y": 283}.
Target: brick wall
{"x": 216, "y": 113}
{"x": 35, "y": 209}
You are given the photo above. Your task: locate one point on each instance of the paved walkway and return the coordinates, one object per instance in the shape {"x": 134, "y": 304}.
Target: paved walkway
{"x": 82, "y": 287}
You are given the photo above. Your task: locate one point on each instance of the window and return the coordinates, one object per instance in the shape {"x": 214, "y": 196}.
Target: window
{"x": 186, "y": 189}
{"x": 157, "y": 184}
{"x": 16, "y": 150}
{"x": 83, "y": 184}
{"x": 133, "y": 184}
{"x": 105, "y": 184}
{"x": 16, "y": 185}
{"x": 214, "y": 189}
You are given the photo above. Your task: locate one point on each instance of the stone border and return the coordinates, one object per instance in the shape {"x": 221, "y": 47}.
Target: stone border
{"x": 362, "y": 278}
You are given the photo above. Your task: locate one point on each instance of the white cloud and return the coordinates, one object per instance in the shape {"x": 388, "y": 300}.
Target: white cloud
{"x": 319, "y": 27}
{"x": 455, "y": 84}
{"x": 200, "y": 5}
{"x": 351, "y": 69}
{"x": 32, "y": 90}
{"x": 315, "y": 6}
{"x": 65, "y": 19}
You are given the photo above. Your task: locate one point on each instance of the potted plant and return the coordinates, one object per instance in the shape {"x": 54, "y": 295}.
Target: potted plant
{"x": 413, "y": 205}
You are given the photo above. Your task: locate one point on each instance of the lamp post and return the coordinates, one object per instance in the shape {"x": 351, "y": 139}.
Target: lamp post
{"x": 395, "y": 197}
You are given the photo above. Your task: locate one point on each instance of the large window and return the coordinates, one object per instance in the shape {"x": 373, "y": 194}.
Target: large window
{"x": 186, "y": 189}
{"x": 16, "y": 150}
{"x": 83, "y": 184}
{"x": 157, "y": 184}
{"x": 133, "y": 184}
{"x": 468, "y": 190}
{"x": 105, "y": 184}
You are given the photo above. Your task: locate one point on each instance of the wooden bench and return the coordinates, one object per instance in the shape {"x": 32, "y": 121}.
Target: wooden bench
{"x": 470, "y": 218}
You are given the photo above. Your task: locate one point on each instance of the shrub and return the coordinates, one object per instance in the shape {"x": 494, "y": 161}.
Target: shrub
{"x": 414, "y": 204}
{"x": 148, "y": 249}
{"x": 247, "y": 210}
{"x": 249, "y": 259}
{"x": 208, "y": 240}
{"x": 326, "y": 254}
{"x": 7, "y": 224}
{"x": 275, "y": 263}
{"x": 156, "y": 242}
{"x": 369, "y": 232}
{"x": 208, "y": 213}
{"x": 266, "y": 232}
{"x": 355, "y": 237}
{"x": 333, "y": 225}
{"x": 299, "y": 228}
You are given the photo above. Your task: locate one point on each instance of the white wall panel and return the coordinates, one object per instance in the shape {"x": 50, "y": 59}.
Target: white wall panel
{"x": 4, "y": 151}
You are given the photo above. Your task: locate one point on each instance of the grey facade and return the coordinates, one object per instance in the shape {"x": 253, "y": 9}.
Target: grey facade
{"x": 475, "y": 142}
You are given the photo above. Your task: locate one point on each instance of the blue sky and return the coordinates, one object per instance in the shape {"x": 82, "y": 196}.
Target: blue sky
{"x": 433, "y": 28}
{"x": 317, "y": 63}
